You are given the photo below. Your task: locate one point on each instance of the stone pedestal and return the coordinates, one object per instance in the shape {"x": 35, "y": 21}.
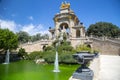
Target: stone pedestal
{"x": 71, "y": 78}
{"x": 83, "y": 74}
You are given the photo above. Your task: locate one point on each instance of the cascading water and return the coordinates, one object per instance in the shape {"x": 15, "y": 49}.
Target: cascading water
{"x": 56, "y": 64}
{"x": 7, "y": 57}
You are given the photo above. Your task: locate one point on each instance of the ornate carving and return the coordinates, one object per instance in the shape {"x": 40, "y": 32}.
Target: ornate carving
{"x": 56, "y": 19}
{"x": 65, "y": 5}
{"x": 70, "y": 17}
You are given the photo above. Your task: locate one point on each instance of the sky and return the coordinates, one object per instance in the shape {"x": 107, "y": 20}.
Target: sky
{"x": 36, "y": 16}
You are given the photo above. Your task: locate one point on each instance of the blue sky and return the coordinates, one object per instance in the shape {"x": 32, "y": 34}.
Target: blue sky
{"x": 34, "y": 16}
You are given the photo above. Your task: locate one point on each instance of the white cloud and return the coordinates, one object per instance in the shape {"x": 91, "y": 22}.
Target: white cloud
{"x": 32, "y": 29}
{"x": 11, "y": 25}
{"x": 30, "y": 18}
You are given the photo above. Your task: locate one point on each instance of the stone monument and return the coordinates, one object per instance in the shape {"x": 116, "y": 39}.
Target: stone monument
{"x": 69, "y": 24}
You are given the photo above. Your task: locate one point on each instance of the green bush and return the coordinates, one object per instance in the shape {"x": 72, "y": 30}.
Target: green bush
{"x": 65, "y": 51}
{"x": 83, "y": 48}
{"x": 35, "y": 55}
{"x": 65, "y": 48}
{"x": 22, "y": 53}
{"x": 49, "y": 56}
{"x": 66, "y": 58}
{"x": 48, "y": 48}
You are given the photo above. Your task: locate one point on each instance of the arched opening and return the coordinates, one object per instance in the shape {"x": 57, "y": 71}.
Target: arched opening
{"x": 44, "y": 47}
{"x": 89, "y": 46}
{"x": 77, "y": 33}
{"x": 53, "y": 35}
{"x": 64, "y": 28}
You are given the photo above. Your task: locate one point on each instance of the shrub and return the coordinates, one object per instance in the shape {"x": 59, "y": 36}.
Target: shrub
{"x": 83, "y": 48}
{"x": 35, "y": 55}
{"x": 65, "y": 48}
{"x": 48, "y": 48}
{"x": 66, "y": 58}
{"x": 22, "y": 53}
{"x": 49, "y": 56}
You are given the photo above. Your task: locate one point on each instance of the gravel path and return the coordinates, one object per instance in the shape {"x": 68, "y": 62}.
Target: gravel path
{"x": 109, "y": 67}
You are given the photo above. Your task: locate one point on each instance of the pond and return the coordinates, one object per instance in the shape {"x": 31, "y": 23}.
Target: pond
{"x": 28, "y": 70}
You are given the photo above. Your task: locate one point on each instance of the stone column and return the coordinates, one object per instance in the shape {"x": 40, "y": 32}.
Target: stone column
{"x": 63, "y": 28}
{"x": 56, "y": 29}
{"x": 81, "y": 32}
{"x": 50, "y": 36}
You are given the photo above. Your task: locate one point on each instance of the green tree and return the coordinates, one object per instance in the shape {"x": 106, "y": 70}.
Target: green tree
{"x": 22, "y": 53}
{"x": 36, "y": 37}
{"x": 8, "y": 40}
{"x": 45, "y": 36}
{"x": 23, "y": 37}
{"x": 39, "y": 37}
{"x": 103, "y": 29}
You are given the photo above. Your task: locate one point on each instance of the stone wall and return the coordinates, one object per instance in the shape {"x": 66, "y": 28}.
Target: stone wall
{"x": 77, "y": 41}
{"x": 106, "y": 47}
{"x": 35, "y": 46}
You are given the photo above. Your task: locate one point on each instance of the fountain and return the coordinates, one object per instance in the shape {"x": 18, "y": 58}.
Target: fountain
{"x": 56, "y": 64}
{"x": 7, "y": 57}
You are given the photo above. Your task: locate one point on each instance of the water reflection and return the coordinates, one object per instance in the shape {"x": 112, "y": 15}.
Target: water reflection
{"x": 6, "y": 70}
{"x": 56, "y": 76}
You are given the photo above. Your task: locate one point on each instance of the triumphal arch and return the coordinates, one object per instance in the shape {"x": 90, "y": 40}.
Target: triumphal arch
{"x": 67, "y": 22}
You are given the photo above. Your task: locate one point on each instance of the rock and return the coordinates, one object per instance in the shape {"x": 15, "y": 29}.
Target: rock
{"x": 39, "y": 61}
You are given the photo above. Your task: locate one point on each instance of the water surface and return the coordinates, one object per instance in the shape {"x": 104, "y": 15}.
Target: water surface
{"x": 28, "y": 70}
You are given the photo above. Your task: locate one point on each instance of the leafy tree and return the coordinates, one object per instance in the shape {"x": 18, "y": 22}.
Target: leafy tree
{"x": 45, "y": 36}
{"x": 36, "y": 37}
{"x": 8, "y": 40}
{"x": 39, "y": 37}
{"x": 103, "y": 29}
{"x": 23, "y": 37}
{"x": 22, "y": 53}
